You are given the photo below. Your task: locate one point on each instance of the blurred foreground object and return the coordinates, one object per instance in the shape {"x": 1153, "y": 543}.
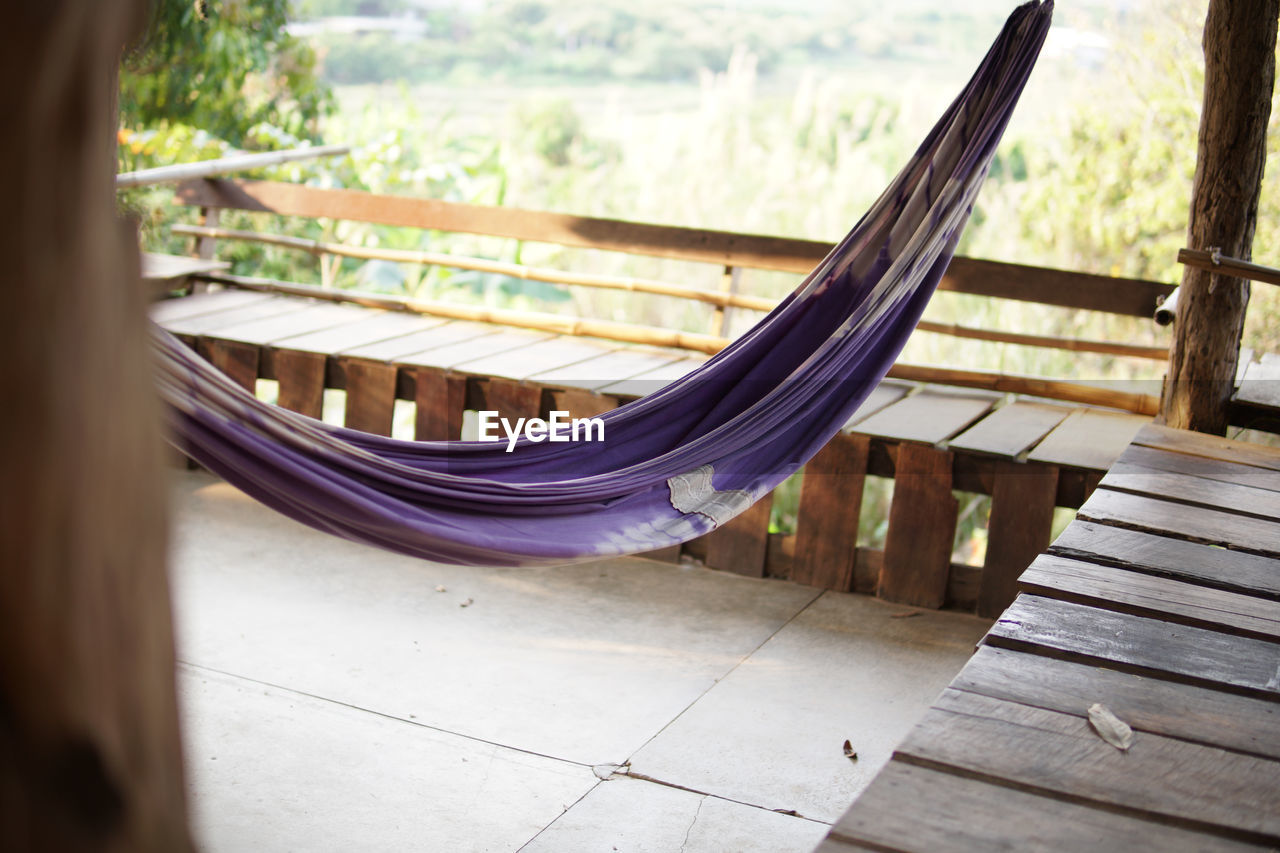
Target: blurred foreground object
{"x": 90, "y": 756}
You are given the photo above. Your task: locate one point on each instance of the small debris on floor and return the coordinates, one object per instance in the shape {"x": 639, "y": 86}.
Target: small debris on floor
{"x": 849, "y": 752}
{"x": 904, "y": 614}
{"x": 607, "y": 771}
{"x": 441, "y": 588}
{"x": 1109, "y": 727}
{"x": 467, "y": 602}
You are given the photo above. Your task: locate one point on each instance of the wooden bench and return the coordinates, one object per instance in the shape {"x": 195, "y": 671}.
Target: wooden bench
{"x": 1030, "y": 454}
{"x": 1160, "y": 602}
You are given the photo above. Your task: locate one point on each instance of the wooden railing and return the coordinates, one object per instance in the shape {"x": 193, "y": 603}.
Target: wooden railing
{"x": 824, "y": 550}
{"x": 732, "y": 251}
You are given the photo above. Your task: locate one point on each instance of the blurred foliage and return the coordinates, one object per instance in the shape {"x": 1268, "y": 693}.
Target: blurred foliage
{"x": 224, "y": 66}
{"x": 618, "y": 40}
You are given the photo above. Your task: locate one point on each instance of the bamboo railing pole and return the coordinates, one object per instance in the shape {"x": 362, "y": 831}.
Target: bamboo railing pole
{"x": 1036, "y": 386}
{"x": 635, "y": 285}
{"x": 1056, "y": 389}
{"x": 1216, "y": 262}
{"x": 723, "y": 299}
{"x": 1051, "y": 342}
{"x": 224, "y": 165}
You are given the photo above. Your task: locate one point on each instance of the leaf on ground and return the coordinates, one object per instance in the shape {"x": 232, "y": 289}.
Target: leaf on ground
{"x": 849, "y": 752}
{"x": 1109, "y": 727}
{"x": 441, "y": 589}
{"x": 467, "y": 602}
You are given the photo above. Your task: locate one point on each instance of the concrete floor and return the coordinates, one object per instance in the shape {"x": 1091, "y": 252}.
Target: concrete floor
{"x": 340, "y": 698}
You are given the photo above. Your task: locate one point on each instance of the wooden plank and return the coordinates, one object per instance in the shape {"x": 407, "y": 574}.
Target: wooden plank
{"x": 307, "y": 317}
{"x": 882, "y": 396}
{"x": 451, "y": 355}
{"x": 1193, "y": 523}
{"x": 741, "y": 545}
{"x": 651, "y": 380}
{"x": 912, "y": 808}
{"x": 1201, "y": 466}
{"x": 717, "y": 247}
{"x": 513, "y": 399}
{"x": 167, "y": 310}
{"x": 1033, "y": 749}
{"x": 1247, "y": 574}
{"x": 1208, "y": 446}
{"x": 375, "y": 326}
{"x": 238, "y": 361}
{"x": 159, "y": 267}
{"x": 1020, "y": 527}
{"x": 827, "y": 519}
{"x": 922, "y": 529}
{"x": 1088, "y": 438}
{"x": 1183, "y": 711}
{"x": 1068, "y": 289}
{"x": 931, "y": 416}
{"x": 546, "y": 355}
{"x": 1146, "y": 595}
{"x": 440, "y": 399}
{"x": 1011, "y": 430}
{"x": 966, "y": 275}
{"x": 301, "y": 379}
{"x": 1232, "y": 497}
{"x": 962, "y": 580}
{"x": 371, "y": 396}
{"x": 609, "y": 368}
{"x": 670, "y": 554}
{"x": 1261, "y": 384}
{"x": 1242, "y": 364}
{"x": 439, "y": 335}
{"x": 210, "y": 322}
{"x": 580, "y": 403}
{"x": 1243, "y": 665}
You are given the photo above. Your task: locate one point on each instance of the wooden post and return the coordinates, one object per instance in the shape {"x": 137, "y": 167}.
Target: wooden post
{"x": 830, "y": 506}
{"x": 1239, "y": 52}
{"x": 922, "y": 528}
{"x": 90, "y": 757}
{"x": 729, "y": 283}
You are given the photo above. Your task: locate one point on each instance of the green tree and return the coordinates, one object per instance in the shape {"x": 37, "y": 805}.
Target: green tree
{"x": 225, "y": 67}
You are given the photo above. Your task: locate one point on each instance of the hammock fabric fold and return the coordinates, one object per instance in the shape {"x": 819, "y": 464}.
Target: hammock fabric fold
{"x": 675, "y": 464}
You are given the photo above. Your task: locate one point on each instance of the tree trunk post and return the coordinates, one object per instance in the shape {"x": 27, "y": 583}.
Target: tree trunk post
{"x": 90, "y": 757}
{"x": 1239, "y": 53}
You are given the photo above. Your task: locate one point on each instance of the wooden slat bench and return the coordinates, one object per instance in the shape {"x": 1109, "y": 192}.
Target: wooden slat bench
{"x": 1174, "y": 626}
{"x": 1031, "y": 455}
{"x": 448, "y": 366}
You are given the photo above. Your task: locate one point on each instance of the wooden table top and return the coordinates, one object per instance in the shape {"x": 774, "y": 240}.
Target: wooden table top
{"x": 1161, "y": 602}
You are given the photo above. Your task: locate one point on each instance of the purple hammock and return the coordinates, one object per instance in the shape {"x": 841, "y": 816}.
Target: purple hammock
{"x": 675, "y": 464}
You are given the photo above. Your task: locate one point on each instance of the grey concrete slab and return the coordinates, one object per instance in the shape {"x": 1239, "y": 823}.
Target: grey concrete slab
{"x": 772, "y": 732}
{"x": 584, "y": 663}
{"x": 269, "y": 770}
{"x": 634, "y": 816}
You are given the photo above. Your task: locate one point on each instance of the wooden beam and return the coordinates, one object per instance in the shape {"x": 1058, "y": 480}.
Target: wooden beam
{"x": 1064, "y": 288}
{"x": 1239, "y": 48}
{"x": 1217, "y": 262}
{"x": 922, "y": 529}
